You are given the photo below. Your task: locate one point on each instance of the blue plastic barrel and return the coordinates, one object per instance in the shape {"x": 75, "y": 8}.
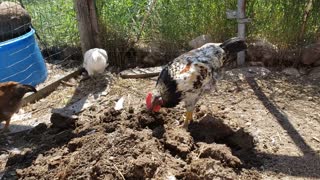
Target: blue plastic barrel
{"x": 22, "y": 61}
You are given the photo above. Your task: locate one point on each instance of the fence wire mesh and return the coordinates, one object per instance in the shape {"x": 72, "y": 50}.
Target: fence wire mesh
{"x": 165, "y": 25}
{"x": 54, "y": 21}
{"x": 182, "y": 20}
{"x": 56, "y": 25}
{"x": 173, "y": 23}
{"x": 56, "y": 34}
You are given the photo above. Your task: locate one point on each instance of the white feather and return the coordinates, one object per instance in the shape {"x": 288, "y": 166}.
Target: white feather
{"x": 95, "y": 61}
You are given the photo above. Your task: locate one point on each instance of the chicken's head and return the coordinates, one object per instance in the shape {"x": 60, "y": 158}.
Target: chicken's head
{"x": 153, "y": 102}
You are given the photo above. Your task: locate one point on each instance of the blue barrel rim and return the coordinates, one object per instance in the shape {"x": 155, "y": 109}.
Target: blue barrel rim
{"x": 19, "y": 38}
{"x": 35, "y": 66}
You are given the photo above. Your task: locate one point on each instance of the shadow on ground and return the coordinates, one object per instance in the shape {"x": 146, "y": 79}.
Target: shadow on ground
{"x": 307, "y": 165}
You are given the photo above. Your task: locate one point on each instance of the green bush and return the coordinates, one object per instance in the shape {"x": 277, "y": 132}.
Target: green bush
{"x": 176, "y": 21}
{"x": 55, "y": 21}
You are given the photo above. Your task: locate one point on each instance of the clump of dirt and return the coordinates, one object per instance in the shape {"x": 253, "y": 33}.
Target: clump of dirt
{"x": 136, "y": 144}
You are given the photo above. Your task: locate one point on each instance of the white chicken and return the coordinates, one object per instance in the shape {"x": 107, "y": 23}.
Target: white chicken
{"x": 95, "y": 61}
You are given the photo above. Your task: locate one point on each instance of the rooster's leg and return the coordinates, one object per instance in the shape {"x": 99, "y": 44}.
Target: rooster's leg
{"x": 188, "y": 119}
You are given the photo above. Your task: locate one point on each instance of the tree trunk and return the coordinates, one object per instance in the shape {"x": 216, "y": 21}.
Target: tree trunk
{"x": 87, "y": 24}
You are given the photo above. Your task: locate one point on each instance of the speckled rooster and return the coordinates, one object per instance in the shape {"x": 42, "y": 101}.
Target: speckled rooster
{"x": 190, "y": 75}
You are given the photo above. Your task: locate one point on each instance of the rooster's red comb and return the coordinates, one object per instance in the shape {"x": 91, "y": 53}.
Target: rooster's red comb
{"x": 149, "y": 100}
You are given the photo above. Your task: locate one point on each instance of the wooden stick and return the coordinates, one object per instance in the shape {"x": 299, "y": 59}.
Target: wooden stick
{"x": 119, "y": 172}
{"x": 141, "y": 72}
{"x": 48, "y": 89}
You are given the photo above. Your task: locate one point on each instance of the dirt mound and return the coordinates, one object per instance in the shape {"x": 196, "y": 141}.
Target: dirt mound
{"x": 135, "y": 144}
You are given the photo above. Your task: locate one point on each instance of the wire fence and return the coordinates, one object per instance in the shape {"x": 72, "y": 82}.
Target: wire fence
{"x": 131, "y": 29}
{"x": 20, "y": 57}
{"x": 54, "y": 21}
{"x": 181, "y": 20}
{"x": 172, "y": 24}
{"x": 56, "y": 24}
{"x": 56, "y": 39}
{"x": 14, "y": 21}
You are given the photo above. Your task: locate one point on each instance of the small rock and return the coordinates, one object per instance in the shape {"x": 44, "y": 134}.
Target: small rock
{"x": 315, "y": 73}
{"x": 150, "y": 53}
{"x": 4, "y": 157}
{"x": 74, "y": 144}
{"x": 39, "y": 159}
{"x": 291, "y": 72}
{"x": 40, "y": 128}
{"x": 73, "y": 81}
{"x": 200, "y": 41}
{"x": 15, "y": 151}
{"x": 260, "y": 50}
{"x": 18, "y": 158}
{"x": 311, "y": 54}
{"x": 104, "y": 93}
{"x": 171, "y": 177}
{"x": 303, "y": 71}
{"x": 204, "y": 108}
{"x": 131, "y": 110}
{"x": 19, "y": 172}
{"x": 62, "y": 120}
{"x": 54, "y": 161}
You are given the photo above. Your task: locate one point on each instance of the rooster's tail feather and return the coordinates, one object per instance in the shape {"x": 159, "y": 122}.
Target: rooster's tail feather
{"x": 234, "y": 45}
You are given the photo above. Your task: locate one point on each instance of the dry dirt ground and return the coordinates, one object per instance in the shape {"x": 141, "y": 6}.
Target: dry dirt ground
{"x": 58, "y": 69}
{"x": 253, "y": 126}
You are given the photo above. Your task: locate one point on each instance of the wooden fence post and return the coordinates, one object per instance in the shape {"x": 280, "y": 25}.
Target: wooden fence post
{"x": 304, "y": 21}
{"x": 241, "y": 28}
{"x": 87, "y": 24}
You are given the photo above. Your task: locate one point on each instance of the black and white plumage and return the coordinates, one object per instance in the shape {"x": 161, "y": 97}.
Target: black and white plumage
{"x": 190, "y": 75}
{"x": 95, "y": 61}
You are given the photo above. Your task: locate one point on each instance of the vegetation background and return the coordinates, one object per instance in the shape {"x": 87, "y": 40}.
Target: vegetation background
{"x": 178, "y": 21}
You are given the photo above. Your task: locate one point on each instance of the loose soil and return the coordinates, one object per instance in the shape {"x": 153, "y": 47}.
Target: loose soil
{"x": 257, "y": 127}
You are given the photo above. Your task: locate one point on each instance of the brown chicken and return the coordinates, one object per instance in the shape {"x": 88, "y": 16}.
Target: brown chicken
{"x": 11, "y": 94}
